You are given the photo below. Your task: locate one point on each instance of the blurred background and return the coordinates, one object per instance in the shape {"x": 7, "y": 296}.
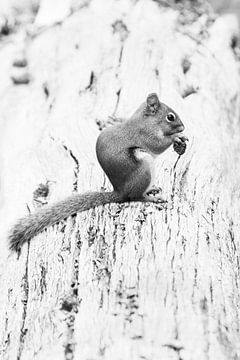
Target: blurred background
{"x": 227, "y": 6}
{"x": 31, "y": 6}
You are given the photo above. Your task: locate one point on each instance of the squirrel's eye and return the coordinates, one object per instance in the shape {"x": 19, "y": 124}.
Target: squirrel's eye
{"x": 170, "y": 116}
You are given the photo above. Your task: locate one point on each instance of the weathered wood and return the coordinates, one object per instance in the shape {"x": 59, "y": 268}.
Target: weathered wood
{"x": 122, "y": 281}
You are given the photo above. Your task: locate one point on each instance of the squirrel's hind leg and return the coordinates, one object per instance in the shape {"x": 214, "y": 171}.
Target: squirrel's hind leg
{"x": 143, "y": 178}
{"x": 137, "y": 184}
{"x": 139, "y": 187}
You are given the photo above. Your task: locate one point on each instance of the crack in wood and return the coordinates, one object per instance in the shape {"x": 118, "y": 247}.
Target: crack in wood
{"x": 169, "y": 237}
{"x": 92, "y": 82}
{"x": 76, "y": 162}
{"x": 120, "y": 56}
{"x": 43, "y": 282}
{"x": 91, "y": 85}
{"x": 25, "y": 285}
{"x": 174, "y": 180}
{"x": 76, "y": 168}
{"x": 71, "y": 303}
{"x": 7, "y": 338}
{"x": 46, "y": 89}
{"x": 152, "y": 238}
{"x": 114, "y": 243}
{"x": 176, "y": 348}
{"x": 118, "y": 93}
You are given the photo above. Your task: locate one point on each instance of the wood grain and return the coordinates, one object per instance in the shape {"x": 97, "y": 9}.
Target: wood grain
{"x": 122, "y": 281}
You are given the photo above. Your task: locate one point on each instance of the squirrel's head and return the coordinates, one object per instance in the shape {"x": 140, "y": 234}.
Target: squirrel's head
{"x": 161, "y": 115}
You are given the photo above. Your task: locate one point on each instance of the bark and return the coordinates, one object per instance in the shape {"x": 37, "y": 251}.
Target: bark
{"x": 121, "y": 281}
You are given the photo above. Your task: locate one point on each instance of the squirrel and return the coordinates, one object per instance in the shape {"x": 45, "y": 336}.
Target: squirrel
{"x": 126, "y": 152}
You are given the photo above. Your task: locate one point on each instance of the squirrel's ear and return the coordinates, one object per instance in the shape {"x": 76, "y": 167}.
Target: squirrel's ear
{"x": 153, "y": 104}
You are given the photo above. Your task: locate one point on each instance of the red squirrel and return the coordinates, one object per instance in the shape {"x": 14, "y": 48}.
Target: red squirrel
{"x": 125, "y": 152}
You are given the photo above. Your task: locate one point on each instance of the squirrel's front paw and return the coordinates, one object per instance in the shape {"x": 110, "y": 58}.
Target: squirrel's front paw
{"x": 179, "y": 144}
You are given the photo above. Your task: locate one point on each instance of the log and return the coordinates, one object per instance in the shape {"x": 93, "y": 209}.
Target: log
{"x": 125, "y": 281}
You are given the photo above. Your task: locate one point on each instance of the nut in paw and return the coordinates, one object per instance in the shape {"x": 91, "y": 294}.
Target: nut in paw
{"x": 180, "y": 145}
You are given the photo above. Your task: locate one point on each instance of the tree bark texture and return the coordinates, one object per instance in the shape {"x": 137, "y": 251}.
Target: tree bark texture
{"x": 126, "y": 281}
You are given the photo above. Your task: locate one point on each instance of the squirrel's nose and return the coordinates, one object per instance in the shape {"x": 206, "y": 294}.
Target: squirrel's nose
{"x": 181, "y": 128}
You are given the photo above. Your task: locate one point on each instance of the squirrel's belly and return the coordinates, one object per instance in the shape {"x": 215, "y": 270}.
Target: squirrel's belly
{"x": 148, "y": 158}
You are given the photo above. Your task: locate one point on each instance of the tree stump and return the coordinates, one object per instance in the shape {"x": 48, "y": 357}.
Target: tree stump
{"x": 125, "y": 281}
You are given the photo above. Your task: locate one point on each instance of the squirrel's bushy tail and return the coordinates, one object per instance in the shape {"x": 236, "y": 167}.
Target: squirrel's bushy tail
{"x": 27, "y": 227}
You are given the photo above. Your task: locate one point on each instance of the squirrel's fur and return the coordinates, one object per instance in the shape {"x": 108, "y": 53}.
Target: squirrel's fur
{"x": 126, "y": 152}
{"x": 31, "y": 225}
